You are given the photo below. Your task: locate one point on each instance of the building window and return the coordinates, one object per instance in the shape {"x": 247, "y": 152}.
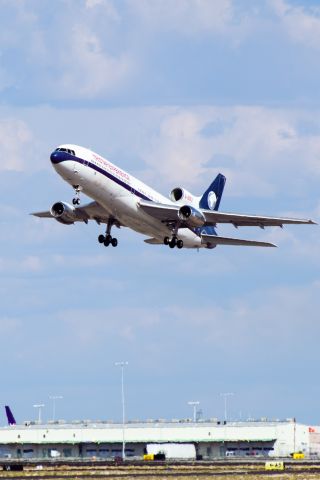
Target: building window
{"x": 67, "y": 452}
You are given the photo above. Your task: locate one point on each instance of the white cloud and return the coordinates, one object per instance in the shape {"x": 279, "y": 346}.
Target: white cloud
{"x": 94, "y": 3}
{"x": 9, "y": 325}
{"x": 92, "y": 326}
{"x": 29, "y": 263}
{"x": 178, "y": 152}
{"x": 109, "y": 10}
{"x": 79, "y": 261}
{"x": 88, "y": 69}
{"x": 69, "y": 54}
{"x": 185, "y": 16}
{"x": 254, "y": 146}
{"x": 265, "y": 322}
{"x": 16, "y": 140}
{"x": 301, "y": 24}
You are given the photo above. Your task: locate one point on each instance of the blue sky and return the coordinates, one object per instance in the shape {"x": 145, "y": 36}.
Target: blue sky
{"x": 173, "y": 92}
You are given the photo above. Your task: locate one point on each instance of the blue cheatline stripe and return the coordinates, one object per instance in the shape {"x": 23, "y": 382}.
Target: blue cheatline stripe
{"x": 86, "y": 163}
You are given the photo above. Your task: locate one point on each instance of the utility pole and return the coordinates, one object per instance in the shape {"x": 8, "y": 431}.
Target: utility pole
{"x": 194, "y": 404}
{"x": 54, "y": 398}
{"x": 225, "y": 396}
{"x": 39, "y": 407}
{"x": 122, "y": 365}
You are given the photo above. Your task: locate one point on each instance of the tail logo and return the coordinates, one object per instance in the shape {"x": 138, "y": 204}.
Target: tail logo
{"x": 212, "y": 200}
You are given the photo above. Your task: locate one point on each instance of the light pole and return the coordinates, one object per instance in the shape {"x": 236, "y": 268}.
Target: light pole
{"x": 122, "y": 365}
{"x": 39, "y": 407}
{"x": 194, "y": 404}
{"x": 225, "y": 395}
{"x": 54, "y": 398}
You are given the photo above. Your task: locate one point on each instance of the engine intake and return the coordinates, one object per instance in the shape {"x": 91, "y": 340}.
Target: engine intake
{"x": 181, "y": 194}
{"x": 64, "y": 213}
{"x": 191, "y": 216}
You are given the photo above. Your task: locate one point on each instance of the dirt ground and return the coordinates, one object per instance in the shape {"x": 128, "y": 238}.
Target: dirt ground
{"x": 154, "y": 472}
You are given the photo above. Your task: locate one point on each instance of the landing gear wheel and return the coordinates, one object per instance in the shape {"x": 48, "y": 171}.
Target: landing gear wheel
{"x": 106, "y": 242}
{"x": 172, "y": 243}
{"x": 180, "y": 244}
{"x": 108, "y": 239}
{"x": 166, "y": 240}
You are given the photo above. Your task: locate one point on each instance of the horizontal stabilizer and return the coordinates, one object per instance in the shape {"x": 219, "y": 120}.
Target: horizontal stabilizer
{"x": 216, "y": 240}
{"x": 153, "y": 241}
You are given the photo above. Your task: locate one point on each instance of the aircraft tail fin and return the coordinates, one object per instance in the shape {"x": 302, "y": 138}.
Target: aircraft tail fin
{"x": 211, "y": 198}
{"x": 10, "y": 417}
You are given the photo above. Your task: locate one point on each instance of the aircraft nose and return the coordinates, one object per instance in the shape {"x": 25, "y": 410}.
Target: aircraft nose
{"x": 59, "y": 156}
{"x": 55, "y": 157}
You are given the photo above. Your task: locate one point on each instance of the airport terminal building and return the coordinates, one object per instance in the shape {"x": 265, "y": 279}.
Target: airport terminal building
{"x": 209, "y": 439}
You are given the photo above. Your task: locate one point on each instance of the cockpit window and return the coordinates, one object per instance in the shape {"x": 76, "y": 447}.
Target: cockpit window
{"x": 68, "y": 150}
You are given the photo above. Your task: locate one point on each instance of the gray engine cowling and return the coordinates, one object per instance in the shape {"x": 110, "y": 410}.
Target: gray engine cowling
{"x": 64, "y": 213}
{"x": 191, "y": 216}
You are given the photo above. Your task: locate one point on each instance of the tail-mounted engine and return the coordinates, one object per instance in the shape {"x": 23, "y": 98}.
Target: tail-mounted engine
{"x": 64, "y": 213}
{"x": 181, "y": 195}
{"x": 191, "y": 216}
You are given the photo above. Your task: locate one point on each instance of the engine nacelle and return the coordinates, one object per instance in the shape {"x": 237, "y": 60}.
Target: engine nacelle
{"x": 191, "y": 216}
{"x": 182, "y": 195}
{"x": 64, "y": 213}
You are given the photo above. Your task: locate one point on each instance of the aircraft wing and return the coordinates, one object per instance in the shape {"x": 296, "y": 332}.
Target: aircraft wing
{"x": 217, "y": 240}
{"x": 164, "y": 212}
{"x": 91, "y": 211}
{"x": 243, "y": 220}
{"x": 45, "y": 214}
{"x": 169, "y": 213}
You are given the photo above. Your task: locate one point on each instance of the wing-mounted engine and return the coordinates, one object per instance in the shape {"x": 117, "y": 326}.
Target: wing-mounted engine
{"x": 67, "y": 214}
{"x": 181, "y": 195}
{"x": 192, "y": 217}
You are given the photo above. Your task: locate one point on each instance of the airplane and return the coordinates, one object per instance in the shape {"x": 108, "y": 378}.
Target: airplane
{"x": 121, "y": 200}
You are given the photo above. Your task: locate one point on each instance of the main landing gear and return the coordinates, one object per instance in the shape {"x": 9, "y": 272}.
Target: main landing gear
{"x": 108, "y": 239}
{"x": 173, "y": 242}
{"x": 76, "y": 199}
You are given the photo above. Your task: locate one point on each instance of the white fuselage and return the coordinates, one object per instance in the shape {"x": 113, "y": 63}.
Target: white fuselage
{"x": 118, "y": 193}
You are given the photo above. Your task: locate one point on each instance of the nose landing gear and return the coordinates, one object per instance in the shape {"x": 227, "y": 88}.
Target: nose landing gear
{"x": 76, "y": 199}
